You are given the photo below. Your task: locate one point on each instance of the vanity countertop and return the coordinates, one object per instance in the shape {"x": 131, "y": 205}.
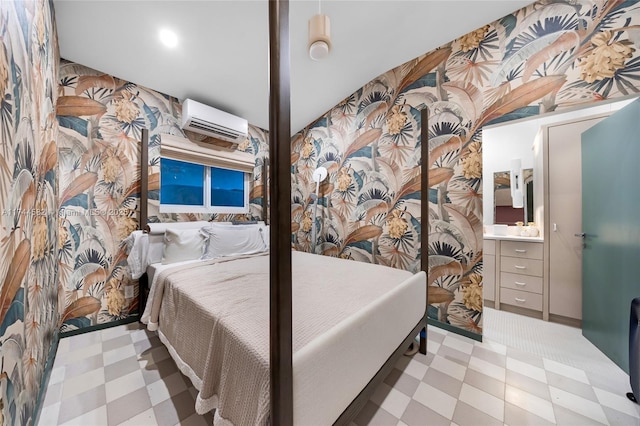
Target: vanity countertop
{"x": 513, "y": 238}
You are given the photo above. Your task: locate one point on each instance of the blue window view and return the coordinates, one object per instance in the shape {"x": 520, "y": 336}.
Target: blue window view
{"x": 181, "y": 183}
{"x": 227, "y": 187}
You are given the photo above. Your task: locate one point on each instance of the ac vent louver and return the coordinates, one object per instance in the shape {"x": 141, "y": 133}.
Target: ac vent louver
{"x": 210, "y": 121}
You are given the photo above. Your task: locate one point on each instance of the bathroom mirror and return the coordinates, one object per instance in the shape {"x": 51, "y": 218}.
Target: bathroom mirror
{"x": 504, "y": 212}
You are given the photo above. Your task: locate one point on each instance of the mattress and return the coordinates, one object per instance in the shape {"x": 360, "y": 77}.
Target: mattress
{"x": 348, "y": 318}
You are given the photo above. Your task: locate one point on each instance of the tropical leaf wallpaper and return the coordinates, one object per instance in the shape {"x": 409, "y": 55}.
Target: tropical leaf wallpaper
{"x": 101, "y": 119}
{"x": 28, "y": 203}
{"x": 545, "y": 57}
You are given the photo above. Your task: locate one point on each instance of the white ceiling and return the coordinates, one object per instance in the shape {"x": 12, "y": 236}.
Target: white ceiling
{"x": 222, "y": 55}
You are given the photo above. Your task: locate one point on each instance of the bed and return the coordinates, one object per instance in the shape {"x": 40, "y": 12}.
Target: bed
{"x": 348, "y": 317}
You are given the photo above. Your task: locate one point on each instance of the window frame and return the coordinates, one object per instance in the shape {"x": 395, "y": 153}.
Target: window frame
{"x": 206, "y": 207}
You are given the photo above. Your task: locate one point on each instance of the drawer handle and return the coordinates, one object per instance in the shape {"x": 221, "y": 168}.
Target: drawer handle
{"x": 519, "y": 267}
{"x": 520, "y": 300}
{"x": 519, "y": 283}
{"x": 520, "y": 251}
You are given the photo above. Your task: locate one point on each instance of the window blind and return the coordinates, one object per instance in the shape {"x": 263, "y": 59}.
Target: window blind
{"x": 207, "y": 154}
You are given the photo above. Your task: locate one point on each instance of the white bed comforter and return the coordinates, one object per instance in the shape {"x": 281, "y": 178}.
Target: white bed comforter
{"x": 214, "y": 318}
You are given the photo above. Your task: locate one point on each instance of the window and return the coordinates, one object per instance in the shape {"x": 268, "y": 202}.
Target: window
{"x": 189, "y": 187}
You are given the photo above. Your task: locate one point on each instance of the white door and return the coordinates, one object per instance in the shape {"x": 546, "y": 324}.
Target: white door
{"x": 564, "y": 220}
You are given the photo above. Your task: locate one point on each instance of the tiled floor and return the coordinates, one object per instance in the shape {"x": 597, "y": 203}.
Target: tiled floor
{"x": 526, "y": 372}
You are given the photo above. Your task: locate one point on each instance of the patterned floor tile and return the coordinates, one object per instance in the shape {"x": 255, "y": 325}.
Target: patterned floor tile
{"x": 97, "y": 417}
{"x": 49, "y": 414}
{"x": 118, "y": 354}
{"x": 402, "y": 382}
{"x": 460, "y": 344}
{"x": 539, "y": 389}
{"x": 618, "y": 402}
{"x": 444, "y": 382}
{"x": 416, "y": 369}
{"x": 465, "y": 414}
{"x": 446, "y": 366}
{"x": 458, "y": 383}
{"x": 116, "y": 342}
{"x": 529, "y": 402}
{"x": 82, "y": 403}
{"x": 489, "y": 355}
{"x": 418, "y": 414}
{"x": 121, "y": 368}
{"x": 83, "y": 366}
{"x": 390, "y": 399}
{"x": 571, "y": 386}
{"x": 166, "y": 388}
{"x": 578, "y": 404}
{"x": 566, "y": 417}
{"x": 82, "y": 383}
{"x": 483, "y": 401}
{"x": 616, "y": 417}
{"x": 435, "y": 399}
{"x": 124, "y": 385}
{"x": 454, "y": 355}
{"x": 372, "y": 415}
{"x": 83, "y": 340}
{"x": 487, "y": 368}
{"x": 128, "y": 406}
{"x": 485, "y": 383}
{"x": 146, "y": 418}
{"x": 527, "y": 369}
{"x": 175, "y": 409}
{"x": 566, "y": 370}
{"x": 526, "y": 357}
{"x": 515, "y": 415}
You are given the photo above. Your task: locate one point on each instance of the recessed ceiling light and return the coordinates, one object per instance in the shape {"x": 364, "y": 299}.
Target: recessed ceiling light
{"x": 168, "y": 38}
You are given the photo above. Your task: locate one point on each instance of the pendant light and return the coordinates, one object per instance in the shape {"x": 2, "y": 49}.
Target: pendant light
{"x": 319, "y": 35}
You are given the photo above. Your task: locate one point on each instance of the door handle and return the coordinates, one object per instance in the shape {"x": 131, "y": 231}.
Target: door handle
{"x": 519, "y": 267}
{"x": 519, "y": 300}
{"x": 581, "y": 235}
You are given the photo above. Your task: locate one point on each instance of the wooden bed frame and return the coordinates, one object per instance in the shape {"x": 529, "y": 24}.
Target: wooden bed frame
{"x": 278, "y": 215}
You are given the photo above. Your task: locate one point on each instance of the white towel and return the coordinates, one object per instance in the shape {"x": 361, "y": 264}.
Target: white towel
{"x": 137, "y": 248}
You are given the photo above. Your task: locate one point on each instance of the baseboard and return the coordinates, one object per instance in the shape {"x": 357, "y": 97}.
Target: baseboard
{"x": 571, "y": 322}
{"x": 454, "y": 329}
{"x": 489, "y": 304}
{"x": 521, "y": 311}
{"x": 46, "y": 375}
{"x": 128, "y": 320}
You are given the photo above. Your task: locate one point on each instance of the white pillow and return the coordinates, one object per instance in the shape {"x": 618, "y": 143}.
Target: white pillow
{"x": 180, "y": 245}
{"x": 156, "y": 246}
{"x": 264, "y": 229}
{"x": 232, "y": 240}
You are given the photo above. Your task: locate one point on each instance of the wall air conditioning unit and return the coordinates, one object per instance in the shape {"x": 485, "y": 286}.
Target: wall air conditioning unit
{"x": 206, "y": 120}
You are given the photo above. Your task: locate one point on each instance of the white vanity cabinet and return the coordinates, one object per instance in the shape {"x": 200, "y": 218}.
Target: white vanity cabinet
{"x": 489, "y": 272}
{"x": 513, "y": 274}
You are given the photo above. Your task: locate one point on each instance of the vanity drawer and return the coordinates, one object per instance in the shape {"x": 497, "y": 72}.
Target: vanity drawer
{"x": 520, "y": 298}
{"x": 521, "y": 249}
{"x": 521, "y": 282}
{"x": 521, "y": 266}
{"x": 489, "y": 246}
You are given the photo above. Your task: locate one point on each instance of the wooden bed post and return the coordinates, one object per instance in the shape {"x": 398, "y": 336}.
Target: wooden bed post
{"x": 424, "y": 210}
{"x": 280, "y": 323}
{"x": 144, "y": 179}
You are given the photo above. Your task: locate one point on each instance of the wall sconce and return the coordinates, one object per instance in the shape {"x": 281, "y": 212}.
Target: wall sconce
{"x": 318, "y": 176}
{"x": 319, "y": 36}
{"x": 517, "y": 195}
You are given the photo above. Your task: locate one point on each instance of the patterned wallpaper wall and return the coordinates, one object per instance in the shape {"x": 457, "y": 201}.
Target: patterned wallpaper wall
{"x": 28, "y": 203}
{"x": 547, "y": 56}
{"x": 101, "y": 120}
